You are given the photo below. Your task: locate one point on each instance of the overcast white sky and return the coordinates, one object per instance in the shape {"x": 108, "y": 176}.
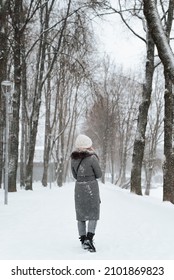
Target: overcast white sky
{"x": 125, "y": 48}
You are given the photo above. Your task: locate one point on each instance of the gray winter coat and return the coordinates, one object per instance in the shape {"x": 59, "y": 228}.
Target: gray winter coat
{"x": 85, "y": 169}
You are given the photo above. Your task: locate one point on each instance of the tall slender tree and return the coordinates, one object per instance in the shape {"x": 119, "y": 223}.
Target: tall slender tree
{"x": 3, "y": 74}
{"x": 15, "y": 10}
{"x": 139, "y": 144}
{"x": 161, "y": 40}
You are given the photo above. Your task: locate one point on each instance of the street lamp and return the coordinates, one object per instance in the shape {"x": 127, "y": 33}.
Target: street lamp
{"x": 6, "y": 89}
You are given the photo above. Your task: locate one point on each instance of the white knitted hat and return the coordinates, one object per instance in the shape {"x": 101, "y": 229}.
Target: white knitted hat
{"x": 83, "y": 142}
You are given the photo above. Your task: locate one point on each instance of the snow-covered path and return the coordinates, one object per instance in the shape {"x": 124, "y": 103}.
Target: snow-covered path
{"x": 41, "y": 225}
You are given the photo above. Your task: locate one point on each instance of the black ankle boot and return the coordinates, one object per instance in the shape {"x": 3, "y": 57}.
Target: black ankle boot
{"x": 82, "y": 239}
{"x": 89, "y": 242}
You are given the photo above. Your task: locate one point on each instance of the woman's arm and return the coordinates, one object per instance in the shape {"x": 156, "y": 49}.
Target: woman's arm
{"x": 96, "y": 167}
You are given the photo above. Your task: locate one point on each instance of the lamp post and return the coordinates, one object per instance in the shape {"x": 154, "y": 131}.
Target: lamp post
{"x": 6, "y": 89}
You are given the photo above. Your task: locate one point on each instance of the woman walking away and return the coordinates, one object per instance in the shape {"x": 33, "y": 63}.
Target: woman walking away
{"x": 86, "y": 169}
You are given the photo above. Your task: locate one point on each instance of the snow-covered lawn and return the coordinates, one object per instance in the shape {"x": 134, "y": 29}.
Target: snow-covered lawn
{"x": 41, "y": 225}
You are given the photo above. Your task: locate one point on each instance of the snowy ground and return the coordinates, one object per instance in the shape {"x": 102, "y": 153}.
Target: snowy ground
{"x": 41, "y": 225}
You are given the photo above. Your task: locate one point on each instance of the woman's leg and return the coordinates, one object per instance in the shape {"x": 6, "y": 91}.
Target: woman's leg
{"x": 92, "y": 226}
{"x": 81, "y": 227}
{"x": 82, "y": 231}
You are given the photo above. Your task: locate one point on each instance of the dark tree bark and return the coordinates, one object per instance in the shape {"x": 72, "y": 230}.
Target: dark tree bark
{"x": 15, "y": 13}
{"x": 168, "y": 178}
{"x": 3, "y": 64}
{"x": 23, "y": 150}
{"x": 161, "y": 40}
{"x": 47, "y": 140}
{"x": 3, "y": 76}
{"x": 139, "y": 144}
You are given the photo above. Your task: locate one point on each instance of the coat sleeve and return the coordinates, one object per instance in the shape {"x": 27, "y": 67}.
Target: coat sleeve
{"x": 73, "y": 170}
{"x": 96, "y": 167}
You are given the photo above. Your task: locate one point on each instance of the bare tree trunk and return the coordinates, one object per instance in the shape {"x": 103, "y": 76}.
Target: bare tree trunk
{"x": 168, "y": 179}
{"x": 14, "y": 130}
{"x": 3, "y": 71}
{"x": 124, "y": 163}
{"x": 46, "y": 162}
{"x": 105, "y": 142}
{"x": 112, "y": 156}
{"x": 166, "y": 55}
{"x": 104, "y": 159}
{"x": 23, "y": 150}
{"x": 60, "y": 170}
{"x": 125, "y": 149}
{"x": 71, "y": 134}
{"x": 48, "y": 131}
{"x": 47, "y": 149}
{"x": 60, "y": 143}
{"x": 139, "y": 144}
{"x": 148, "y": 172}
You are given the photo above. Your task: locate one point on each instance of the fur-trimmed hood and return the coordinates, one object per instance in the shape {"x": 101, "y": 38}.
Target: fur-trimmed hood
{"x": 82, "y": 154}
